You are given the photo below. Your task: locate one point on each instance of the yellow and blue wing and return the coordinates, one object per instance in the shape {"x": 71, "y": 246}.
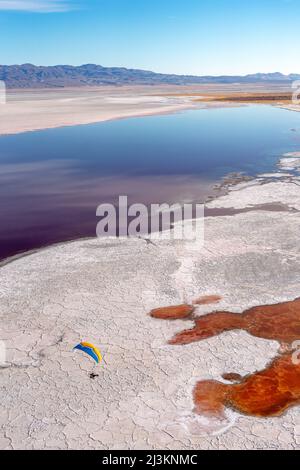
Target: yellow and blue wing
{"x": 91, "y": 350}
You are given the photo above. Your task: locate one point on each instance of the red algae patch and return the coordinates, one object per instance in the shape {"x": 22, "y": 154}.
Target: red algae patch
{"x": 263, "y": 394}
{"x": 208, "y": 326}
{"x": 207, "y": 299}
{"x": 267, "y": 393}
{"x": 232, "y": 377}
{"x": 173, "y": 313}
{"x": 279, "y": 322}
{"x": 183, "y": 311}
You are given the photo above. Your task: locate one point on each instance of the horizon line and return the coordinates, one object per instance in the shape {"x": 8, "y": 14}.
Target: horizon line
{"x": 149, "y": 70}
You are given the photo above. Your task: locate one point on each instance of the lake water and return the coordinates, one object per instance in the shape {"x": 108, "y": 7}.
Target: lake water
{"x": 52, "y": 181}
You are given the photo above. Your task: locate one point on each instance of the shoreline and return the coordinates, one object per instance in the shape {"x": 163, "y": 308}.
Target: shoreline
{"x": 224, "y": 188}
{"x": 159, "y": 112}
{"x": 29, "y": 112}
{"x": 210, "y": 212}
{"x": 42, "y": 109}
{"x": 220, "y": 188}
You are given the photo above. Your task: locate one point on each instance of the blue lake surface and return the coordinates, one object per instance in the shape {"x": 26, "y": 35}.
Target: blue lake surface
{"x": 52, "y": 181}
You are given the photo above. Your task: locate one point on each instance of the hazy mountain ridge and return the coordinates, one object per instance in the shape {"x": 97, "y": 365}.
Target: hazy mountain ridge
{"x": 31, "y": 76}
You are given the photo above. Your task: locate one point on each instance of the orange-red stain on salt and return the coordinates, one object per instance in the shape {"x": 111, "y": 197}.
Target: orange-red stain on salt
{"x": 279, "y": 322}
{"x": 173, "y": 313}
{"x": 267, "y": 393}
{"x": 183, "y": 311}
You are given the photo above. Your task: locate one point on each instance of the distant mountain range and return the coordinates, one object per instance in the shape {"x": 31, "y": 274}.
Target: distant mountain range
{"x": 32, "y": 76}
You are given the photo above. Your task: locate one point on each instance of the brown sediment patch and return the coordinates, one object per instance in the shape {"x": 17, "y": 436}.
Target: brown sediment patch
{"x": 232, "y": 377}
{"x": 256, "y": 98}
{"x": 264, "y": 394}
{"x": 204, "y": 96}
{"x": 279, "y": 322}
{"x": 261, "y": 98}
{"x": 173, "y": 313}
{"x": 177, "y": 312}
{"x": 207, "y": 300}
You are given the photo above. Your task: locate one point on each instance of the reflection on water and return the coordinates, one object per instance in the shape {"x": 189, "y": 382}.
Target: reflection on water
{"x": 52, "y": 181}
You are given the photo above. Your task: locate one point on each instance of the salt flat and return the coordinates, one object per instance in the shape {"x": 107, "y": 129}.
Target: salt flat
{"x": 28, "y": 110}
{"x": 102, "y": 291}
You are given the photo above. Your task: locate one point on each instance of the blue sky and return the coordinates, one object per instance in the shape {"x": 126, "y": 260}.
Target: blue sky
{"x": 173, "y": 36}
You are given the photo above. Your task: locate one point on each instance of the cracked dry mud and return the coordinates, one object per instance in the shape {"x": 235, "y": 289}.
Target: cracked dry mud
{"x": 100, "y": 291}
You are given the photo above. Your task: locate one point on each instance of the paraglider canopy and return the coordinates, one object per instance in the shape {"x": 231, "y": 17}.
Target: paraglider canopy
{"x": 91, "y": 350}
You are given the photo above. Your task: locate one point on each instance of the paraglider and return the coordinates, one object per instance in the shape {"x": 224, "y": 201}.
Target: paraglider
{"x": 91, "y": 350}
